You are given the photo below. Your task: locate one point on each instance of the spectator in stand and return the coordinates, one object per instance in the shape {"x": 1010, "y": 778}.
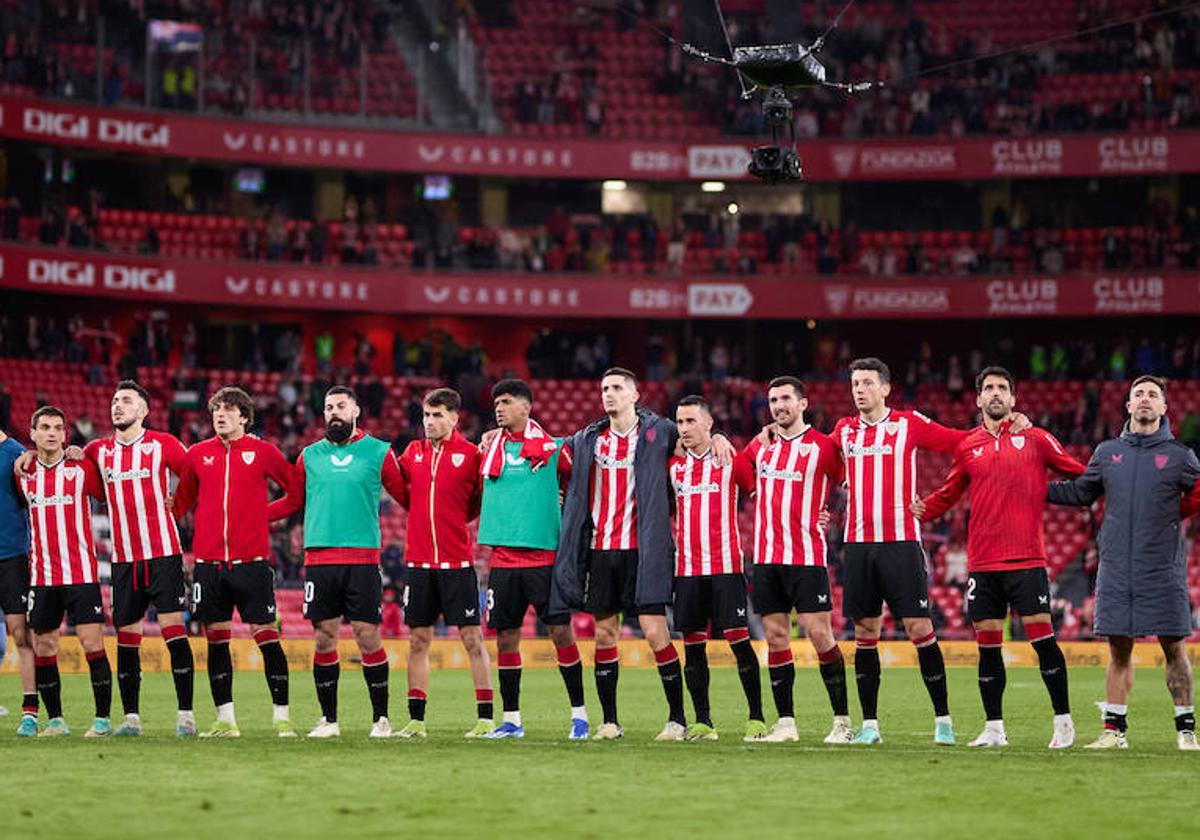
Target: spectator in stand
{"x": 299, "y": 241}
{"x": 276, "y": 236}
{"x": 149, "y": 244}
{"x": 12, "y": 218}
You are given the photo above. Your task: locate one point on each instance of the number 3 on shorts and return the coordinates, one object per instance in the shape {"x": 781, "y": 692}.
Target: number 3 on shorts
{"x": 308, "y": 591}
{"x": 491, "y": 599}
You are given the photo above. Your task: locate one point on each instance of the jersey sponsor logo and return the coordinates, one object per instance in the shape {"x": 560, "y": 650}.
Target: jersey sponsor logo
{"x": 977, "y": 451}
{"x": 1161, "y": 461}
{"x": 36, "y": 501}
{"x": 1118, "y": 457}
{"x": 208, "y": 460}
{"x": 112, "y": 475}
{"x": 248, "y": 458}
{"x": 458, "y": 459}
{"x": 854, "y": 450}
{"x": 787, "y": 475}
{"x": 608, "y": 462}
{"x": 696, "y": 489}
{"x": 341, "y": 462}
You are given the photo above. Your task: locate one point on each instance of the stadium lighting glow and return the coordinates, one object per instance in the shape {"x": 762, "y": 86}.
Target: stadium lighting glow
{"x": 712, "y": 186}
{"x": 615, "y": 186}
{"x": 732, "y": 208}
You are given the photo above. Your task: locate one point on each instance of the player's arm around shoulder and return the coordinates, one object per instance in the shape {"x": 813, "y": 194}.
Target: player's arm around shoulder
{"x": 1088, "y": 486}
{"x": 930, "y": 434}
{"x": 951, "y": 490}
{"x": 295, "y": 493}
{"x": 1055, "y": 456}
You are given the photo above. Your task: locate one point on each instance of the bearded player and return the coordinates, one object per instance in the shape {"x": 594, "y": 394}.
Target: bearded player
{"x": 1006, "y": 555}
{"x": 338, "y": 482}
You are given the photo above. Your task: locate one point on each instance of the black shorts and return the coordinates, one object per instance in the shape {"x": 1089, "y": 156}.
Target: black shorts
{"x": 716, "y": 599}
{"x": 217, "y": 589}
{"x": 350, "y": 590}
{"x": 781, "y": 589}
{"x": 990, "y": 594}
{"x": 135, "y": 586}
{"x": 80, "y": 602}
{"x": 450, "y": 593}
{"x": 511, "y": 592}
{"x": 14, "y": 585}
{"x": 612, "y": 585}
{"x": 887, "y": 571}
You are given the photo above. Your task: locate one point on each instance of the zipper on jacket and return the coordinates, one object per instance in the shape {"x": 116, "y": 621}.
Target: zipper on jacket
{"x": 435, "y": 457}
{"x": 225, "y": 501}
{"x": 1137, "y": 452}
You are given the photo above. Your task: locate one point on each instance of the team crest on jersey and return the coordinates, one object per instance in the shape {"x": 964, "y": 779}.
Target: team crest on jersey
{"x": 248, "y": 457}
{"x": 341, "y": 462}
{"x": 70, "y": 473}
{"x": 457, "y": 459}
{"x": 891, "y": 428}
{"x": 1160, "y": 461}
{"x": 208, "y": 460}
{"x": 147, "y": 448}
{"x": 1018, "y": 442}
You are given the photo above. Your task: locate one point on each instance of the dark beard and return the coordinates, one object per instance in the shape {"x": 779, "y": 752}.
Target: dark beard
{"x": 121, "y": 427}
{"x": 338, "y": 431}
{"x": 1003, "y": 413}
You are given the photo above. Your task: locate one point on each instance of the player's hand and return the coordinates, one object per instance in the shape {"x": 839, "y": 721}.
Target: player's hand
{"x": 169, "y": 503}
{"x": 723, "y": 450}
{"x": 485, "y": 442}
{"x": 1019, "y": 423}
{"x": 24, "y": 463}
{"x": 767, "y": 435}
{"x": 823, "y": 518}
{"x": 917, "y": 508}
{"x": 73, "y": 453}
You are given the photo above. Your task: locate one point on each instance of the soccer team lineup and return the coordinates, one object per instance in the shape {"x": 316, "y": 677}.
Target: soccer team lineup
{"x": 631, "y": 518}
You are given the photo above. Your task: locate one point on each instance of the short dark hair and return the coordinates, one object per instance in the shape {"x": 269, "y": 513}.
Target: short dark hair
{"x": 446, "y": 398}
{"x": 696, "y": 400}
{"x": 341, "y": 389}
{"x": 131, "y": 385}
{"x": 620, "y": 371}
{"x": 994, "y": 370}
{"x": 781, "y": 381}
{"x": 872, "y": 363}
{"x": 518, "y": 388}
{"x": 233, "y": 397}
{"x": 46, "y": 411}
{"x": 1160, "y": 381}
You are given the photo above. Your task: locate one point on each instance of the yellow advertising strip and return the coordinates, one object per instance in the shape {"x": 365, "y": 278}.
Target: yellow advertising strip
{"x": 539, "y": 653}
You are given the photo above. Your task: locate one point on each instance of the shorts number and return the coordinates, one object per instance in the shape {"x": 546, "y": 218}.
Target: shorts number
{"x": 404, "y": 600}
{"x": 491, "y": 599}
{"x": 196, "y": 593}
{"x": 971, "y": 589}
{"x": 29, "y": 605}
{"x": 309, "y": 589}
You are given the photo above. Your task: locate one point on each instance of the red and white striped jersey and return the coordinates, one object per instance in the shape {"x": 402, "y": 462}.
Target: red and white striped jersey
{"x": 881, "y": 470}
{"x": 706, "y": 505}
{"x": 60, "y": 519}
{"x": 135, "y": 487}
{"x": 793, "y": 479}
{"x": 614, "y": 507}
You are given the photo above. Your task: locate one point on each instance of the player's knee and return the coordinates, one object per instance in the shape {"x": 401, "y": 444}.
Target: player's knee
{"x": 918, "y": 628}
{"x": 561, "y": 635}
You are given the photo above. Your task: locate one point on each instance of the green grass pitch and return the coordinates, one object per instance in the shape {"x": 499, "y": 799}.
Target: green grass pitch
{"x": 544, "y": 786}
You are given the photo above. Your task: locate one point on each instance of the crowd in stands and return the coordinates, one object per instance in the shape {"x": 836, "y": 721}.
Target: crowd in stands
{"x": 284, "y": 55}
{"x": 577, "y": 68}
{"x": 431, "y": 236}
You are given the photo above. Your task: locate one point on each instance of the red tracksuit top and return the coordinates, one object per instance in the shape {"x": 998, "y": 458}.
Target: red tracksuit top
{"x": 1006, "y": 474}
{"x": 228, "y": 486}
{"x": 444, "y": 487}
